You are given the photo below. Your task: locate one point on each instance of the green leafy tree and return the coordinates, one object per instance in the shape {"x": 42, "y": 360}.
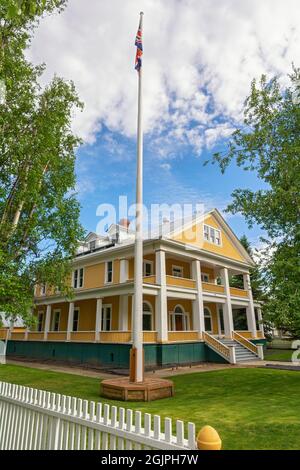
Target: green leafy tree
{"x": 39, "y": 215}
{"x": 256, "y": 274}
{"x": 269, "y": 144}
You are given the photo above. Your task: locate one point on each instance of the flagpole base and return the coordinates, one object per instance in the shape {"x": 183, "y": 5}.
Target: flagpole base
{"x": 148, "y": 390}
{"x": 133, "y": 365}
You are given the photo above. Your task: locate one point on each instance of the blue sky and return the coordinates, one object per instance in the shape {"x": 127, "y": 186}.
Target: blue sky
{"x": 199, "y": 59}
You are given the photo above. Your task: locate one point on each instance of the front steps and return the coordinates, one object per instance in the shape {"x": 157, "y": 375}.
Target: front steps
{"x": 242, "y": 354}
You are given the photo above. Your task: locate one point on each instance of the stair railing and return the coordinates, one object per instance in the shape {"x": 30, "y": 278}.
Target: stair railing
{"x": 246, "y": 343}
{"x": 226, "y": 352}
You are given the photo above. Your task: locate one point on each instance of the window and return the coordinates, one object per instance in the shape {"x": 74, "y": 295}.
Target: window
{"x": 177, "y": 271}
{"x": 207, "y": 320}
{"x": 76, "y": 320}
{"x": 204, "y": 277}
{"x": 106, "y": 318}
{"x": 40, "y": 321}
{"x": 78, "y": 278}
{"x": 109, "y": 272}
{"x": 147, "y": 317}
{"x": 212, "y": 235}
{"x": 55, "y": 320}
{"x": 92, "y": 245}
{"x": 221, "y": 321}
{"x": 147, "y": 268}
{"x": 43, "y": 289}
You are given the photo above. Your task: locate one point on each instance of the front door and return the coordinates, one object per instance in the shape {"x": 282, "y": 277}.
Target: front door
{"x": 178, "y": 322}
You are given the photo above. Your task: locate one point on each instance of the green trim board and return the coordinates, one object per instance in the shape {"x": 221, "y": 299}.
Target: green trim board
{"x": 112, "y": 354}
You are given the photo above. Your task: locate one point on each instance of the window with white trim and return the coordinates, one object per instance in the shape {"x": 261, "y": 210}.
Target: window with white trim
{"x": 78, "y": 278}
{"x": 106, "y": 318}
{"x": 43, "y": 289}
{"x": 212, "y": 235}
{"x": 40, "y": 321}
{"x": 108, "y": 272}
{"x": 147, "y": 317}
{"x": 147, "y": 268}
{"x": 207, "y": 320}
{"x": 177, "y": 271}
{"x": 75, "y": 326}
{"x": 55, "y": 320}
{"x": 204, "y": 277}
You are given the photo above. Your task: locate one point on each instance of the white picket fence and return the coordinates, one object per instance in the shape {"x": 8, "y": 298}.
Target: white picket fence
{"x": 32, "y": 419}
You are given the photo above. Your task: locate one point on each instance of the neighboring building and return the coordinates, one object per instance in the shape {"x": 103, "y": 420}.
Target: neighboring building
{"x": 188, "y": 311}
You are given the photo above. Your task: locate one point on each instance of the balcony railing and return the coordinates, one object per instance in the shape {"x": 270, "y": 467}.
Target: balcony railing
{"x": 235, "y": 292}
{"x": 149, "y": 280}
{"x": 213, "y": 288}
{"x": 181, "y": 282}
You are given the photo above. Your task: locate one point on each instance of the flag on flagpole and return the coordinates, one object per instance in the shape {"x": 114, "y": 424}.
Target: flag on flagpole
{"x": 139, "y": 48}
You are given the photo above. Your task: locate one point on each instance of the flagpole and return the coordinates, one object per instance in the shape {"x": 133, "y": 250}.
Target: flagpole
{"x": 137, "y": 353}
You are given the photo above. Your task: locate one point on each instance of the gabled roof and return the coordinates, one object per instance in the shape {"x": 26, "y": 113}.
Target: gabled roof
{"x": 180, "y": 226}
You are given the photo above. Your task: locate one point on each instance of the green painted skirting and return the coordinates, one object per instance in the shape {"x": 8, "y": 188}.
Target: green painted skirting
{"x": 113, "y": 355}
{"x": 262, "y": 341}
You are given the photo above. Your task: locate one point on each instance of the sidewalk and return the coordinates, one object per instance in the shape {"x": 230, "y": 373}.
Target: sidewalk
{"x": 168, "y": 372}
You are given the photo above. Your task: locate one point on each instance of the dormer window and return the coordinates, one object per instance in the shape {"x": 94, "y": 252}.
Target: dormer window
{"x": 212, "y": 235}
{"x": 92, "y": 245}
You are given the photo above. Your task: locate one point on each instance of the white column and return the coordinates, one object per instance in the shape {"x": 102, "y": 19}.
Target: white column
{"x": 250, "y": 309}
{"x": 124, "y": 270}
{"x": 47, "y": 322}
{"x": 70, "y": 320}
{"x": 98, "y": 319}
{"x": 227, "y": 308}
{"x": 161, "y": 299}
{"x": 198, "y": 307}
{"x": 123, "y": 313}
{"x": 260, "y": 319}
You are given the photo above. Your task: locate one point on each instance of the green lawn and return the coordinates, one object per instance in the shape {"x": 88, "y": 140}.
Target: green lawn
{"x": 278, "y": 355}
{"x": 250, "y": 408}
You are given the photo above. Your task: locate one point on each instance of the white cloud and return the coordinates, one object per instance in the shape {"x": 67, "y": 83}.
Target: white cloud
{"x": 200, "y": 56}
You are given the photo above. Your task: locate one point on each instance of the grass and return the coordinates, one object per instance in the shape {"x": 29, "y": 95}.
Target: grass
{"x": 278, "y": 355}
{"x": 250, "y": 408}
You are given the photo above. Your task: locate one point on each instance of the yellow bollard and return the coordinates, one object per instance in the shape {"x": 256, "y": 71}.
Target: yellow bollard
{"x": 208, "y": 439}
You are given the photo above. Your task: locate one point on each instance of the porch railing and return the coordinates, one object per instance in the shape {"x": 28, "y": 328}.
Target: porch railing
{"x": 183, "y": 336}
{"x": 57, "y": 336}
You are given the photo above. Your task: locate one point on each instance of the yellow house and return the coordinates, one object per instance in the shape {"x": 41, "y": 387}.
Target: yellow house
{"x": 190, "y": 311}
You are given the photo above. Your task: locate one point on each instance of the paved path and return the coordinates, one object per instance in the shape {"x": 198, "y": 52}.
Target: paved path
{"x": 168, "y": 372}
